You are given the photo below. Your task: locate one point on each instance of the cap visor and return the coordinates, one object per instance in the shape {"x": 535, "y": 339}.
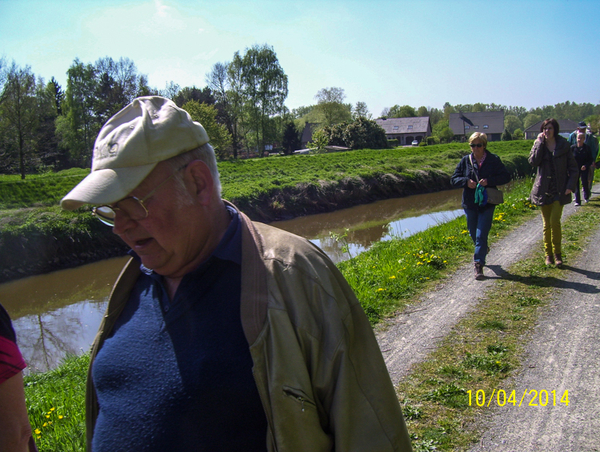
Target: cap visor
{"x": 106, "y": 186}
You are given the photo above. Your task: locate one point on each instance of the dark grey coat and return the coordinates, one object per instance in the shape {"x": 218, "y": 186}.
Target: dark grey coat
{"x": 565, "y": 170}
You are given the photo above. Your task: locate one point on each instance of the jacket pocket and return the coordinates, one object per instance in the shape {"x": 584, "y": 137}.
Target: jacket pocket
{"x": 300, "y": 397}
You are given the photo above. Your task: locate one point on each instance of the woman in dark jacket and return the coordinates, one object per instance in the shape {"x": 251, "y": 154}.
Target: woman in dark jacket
{"x": 483, "y": 168}
{"x": 555, "y": 180}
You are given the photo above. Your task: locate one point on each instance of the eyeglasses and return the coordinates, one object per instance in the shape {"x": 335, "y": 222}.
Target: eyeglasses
{"x": 133, "y": 207}
{"x": 478, "y": 145}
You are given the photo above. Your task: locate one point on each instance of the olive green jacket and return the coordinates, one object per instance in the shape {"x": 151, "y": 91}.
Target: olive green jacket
{"x": 322, "y": 379}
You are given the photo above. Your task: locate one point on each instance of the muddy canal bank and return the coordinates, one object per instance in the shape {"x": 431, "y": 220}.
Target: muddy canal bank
{"x": 52, "y": 248}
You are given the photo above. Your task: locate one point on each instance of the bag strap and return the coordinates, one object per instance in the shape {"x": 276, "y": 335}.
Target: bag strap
{"x": 473, "y": 166}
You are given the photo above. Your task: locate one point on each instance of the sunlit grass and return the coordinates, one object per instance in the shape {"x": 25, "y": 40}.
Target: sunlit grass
{"x": 246, "y": 180}
{"x": 56, "y": 406}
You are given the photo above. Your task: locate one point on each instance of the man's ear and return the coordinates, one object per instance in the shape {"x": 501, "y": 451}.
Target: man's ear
{"x": 201, "y": 181}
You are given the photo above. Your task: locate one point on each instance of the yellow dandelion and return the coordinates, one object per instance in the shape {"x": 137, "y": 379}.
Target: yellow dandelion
{"x": 52, "y": 409}
{"x": 45, "y": 424}
{"x": 392, "y": 277}
{"x": 60, "y": 416}
{"x": 38, "y": 431}
{"x": 380, "y": 290}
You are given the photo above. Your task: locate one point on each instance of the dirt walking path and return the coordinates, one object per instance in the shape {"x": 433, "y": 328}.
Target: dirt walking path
{"x": 408, "y": 338}
{"x": 563, "y": 354}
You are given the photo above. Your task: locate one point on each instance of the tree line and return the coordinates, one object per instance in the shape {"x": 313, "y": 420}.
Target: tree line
{"x": 44, "y": 126}
{"x": 48, "y": 127}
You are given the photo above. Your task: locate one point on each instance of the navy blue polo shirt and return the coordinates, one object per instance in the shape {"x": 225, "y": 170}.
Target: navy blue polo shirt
{"x": 177, "y": 375}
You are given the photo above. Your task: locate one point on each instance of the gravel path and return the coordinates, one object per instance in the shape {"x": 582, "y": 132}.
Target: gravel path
{"x": 408, "y": 338}
{"x": 563, "y": 353}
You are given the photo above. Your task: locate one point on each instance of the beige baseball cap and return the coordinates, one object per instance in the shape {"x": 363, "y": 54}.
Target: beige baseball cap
{"x": 131, "y": 143}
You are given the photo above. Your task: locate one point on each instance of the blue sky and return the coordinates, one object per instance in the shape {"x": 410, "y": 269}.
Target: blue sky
{"x": 419, "y": 52}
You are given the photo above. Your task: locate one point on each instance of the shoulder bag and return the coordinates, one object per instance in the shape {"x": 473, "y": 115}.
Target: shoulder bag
{"x": 494, "y": 196}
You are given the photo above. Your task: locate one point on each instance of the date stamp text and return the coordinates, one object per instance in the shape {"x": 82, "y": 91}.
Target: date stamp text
{"x": 529, "y": 397}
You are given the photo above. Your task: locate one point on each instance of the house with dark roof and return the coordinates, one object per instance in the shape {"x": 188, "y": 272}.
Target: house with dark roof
{"x": 565, "y": 127}
{"x": 489, "y": 122}
{"x": 406, "y": 130}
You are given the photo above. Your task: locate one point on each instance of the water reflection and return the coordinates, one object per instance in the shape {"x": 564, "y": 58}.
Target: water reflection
{"x": 58, "y": 313}
{"x": 364, "y": 225}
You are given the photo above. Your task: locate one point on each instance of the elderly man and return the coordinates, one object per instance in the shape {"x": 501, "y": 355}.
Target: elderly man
{"x": 583, "y": 157}
{"x": 592, "y": 142}
{"x": 221, "y": 334}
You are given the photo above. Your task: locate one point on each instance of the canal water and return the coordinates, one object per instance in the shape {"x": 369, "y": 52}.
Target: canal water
{"x": 58, "y": 313}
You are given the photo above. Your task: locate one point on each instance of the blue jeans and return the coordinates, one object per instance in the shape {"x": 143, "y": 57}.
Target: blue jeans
{"x": 479, "y": 223}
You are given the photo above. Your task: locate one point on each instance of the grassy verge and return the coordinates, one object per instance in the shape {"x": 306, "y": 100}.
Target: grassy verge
{"x": 56, "y": 405}
{"x": 38, "y": 236}
{"x": 484, "y": 349}
{"x": 245, "y": 181}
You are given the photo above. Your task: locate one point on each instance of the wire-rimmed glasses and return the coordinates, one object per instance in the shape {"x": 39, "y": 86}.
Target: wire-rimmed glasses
{"x": 133, "y": 207}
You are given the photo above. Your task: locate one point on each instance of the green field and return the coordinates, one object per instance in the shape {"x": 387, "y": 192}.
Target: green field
{"x": 244, "y": 180}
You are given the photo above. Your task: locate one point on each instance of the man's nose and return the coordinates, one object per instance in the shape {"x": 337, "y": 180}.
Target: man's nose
{"x": 123, "y": 222}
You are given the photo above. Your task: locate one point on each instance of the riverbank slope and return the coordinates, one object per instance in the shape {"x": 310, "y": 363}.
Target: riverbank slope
{"x": 36, "y": 240}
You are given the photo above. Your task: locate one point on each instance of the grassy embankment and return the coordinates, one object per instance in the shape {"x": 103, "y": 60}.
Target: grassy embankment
{"x": 44, "y": 238}
{"x": 385, "y": 279}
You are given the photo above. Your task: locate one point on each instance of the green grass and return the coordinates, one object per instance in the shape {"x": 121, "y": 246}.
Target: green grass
{"x": 33, "y": 227}
{"x": 38, "y": 190}
{"x": 247, "y": 180}
{"x": 56, "y": 406}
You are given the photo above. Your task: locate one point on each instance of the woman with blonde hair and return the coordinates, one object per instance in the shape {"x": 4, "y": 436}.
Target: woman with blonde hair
{"x": 556, "y": 178}
{"x": 475, "y": 172}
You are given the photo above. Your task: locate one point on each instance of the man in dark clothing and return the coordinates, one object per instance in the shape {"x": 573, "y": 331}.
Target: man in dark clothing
{"x": 592, "y": 142}
{"x": 583, "y": 156}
